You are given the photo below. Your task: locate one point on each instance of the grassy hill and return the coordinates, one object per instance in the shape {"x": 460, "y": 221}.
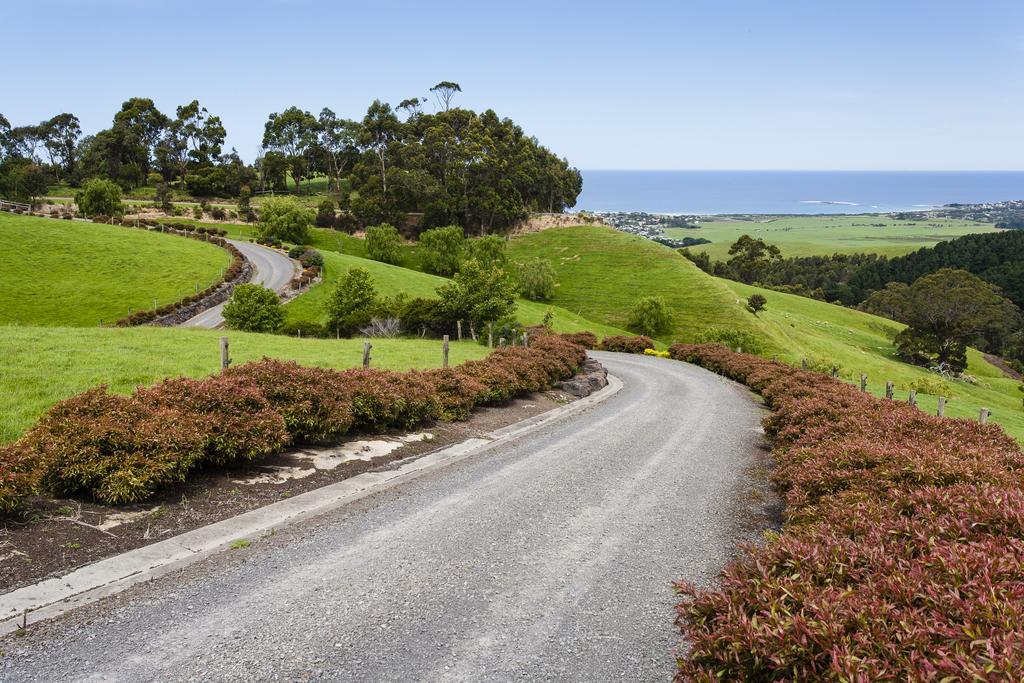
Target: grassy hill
{"x": 391, "y": 280}
{"x": 861, "y": 343}
{"x": 820, "y": 235}
{"x": 601, "y": 272}
{"x": 72, "y": 273}
{"x": 43, "y": 365}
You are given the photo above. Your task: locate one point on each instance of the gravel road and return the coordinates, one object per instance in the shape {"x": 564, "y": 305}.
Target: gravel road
{"x": 550, "y": 557}
{"x": 273, "y": 270}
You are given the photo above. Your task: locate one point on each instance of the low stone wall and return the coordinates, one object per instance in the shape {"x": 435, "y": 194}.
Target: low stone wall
{"x": 592, "y": 377}
{"x": 222, "y": 294}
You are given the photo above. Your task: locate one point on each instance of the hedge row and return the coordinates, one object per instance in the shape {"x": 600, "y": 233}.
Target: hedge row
{"x": 902, "y": 554}
{"x": 212, "y": 235}
{"x": 121, "y": 449}
{"x": 626, "y": 344}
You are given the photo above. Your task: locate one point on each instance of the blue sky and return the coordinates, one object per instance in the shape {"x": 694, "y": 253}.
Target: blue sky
{"x": 728, "y": 84}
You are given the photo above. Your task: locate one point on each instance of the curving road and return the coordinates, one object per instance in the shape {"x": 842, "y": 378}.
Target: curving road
{"x": 549, "y": 557}
{"x": 273, "y": 269}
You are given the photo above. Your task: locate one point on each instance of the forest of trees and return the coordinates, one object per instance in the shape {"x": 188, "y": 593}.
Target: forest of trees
{"x": 453, "y": 166}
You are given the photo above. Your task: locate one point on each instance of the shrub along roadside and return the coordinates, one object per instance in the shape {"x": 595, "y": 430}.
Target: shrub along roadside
{"x": 121, "y": 449}
{"x": 233, "y": 274}
{"x": 902, "y": 555}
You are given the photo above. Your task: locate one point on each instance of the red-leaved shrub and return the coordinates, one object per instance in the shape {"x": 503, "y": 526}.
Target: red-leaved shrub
{"x": 625, "y": 344}
{"x": 236, "y": 418}
{"x": 902, "y": 555}
{"x": 120, "y": 449}
{"x": 312, "y": 401}
{"x": 112, "y": 447}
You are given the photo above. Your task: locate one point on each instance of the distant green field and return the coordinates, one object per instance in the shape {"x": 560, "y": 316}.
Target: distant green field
{"x": 601, "y": 273}
{"x": 391, "y": 280}
{"x": 816, "y": 235}
{"x": 72, "y": 273}
{"x": 43, "y": 365}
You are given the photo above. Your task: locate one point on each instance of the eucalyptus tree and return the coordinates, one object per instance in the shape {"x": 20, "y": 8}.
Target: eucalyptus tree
{"x": 60, "y": 139}
{"x": 444, "y": 92}
{"x": 293, "y": 133}
{"x": 193, "y": 137}
{"x": 337, "y": 141}
{"x": 380, "y": 128}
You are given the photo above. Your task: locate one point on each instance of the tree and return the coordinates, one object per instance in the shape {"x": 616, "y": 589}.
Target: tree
{"x": 383, "y": 243}
{"x": 245, "y": 211}
{"x": 949, "y": 310}
{"x": 5, "y": 132}
{"x": 756, "y": 303}
{"x": 336, "y": 140}
{"x": 193, "y": 136}
{"x": 22, "y": 179}
{"x": 99, "y": 197}
{"x": 477, "y": 294}
{"x": 537, "y": 280}
{"x": 60, "y": 138}
{"x": 284, "y": 218}
{"x": 750, "y": 256}
{"x": 444, "y": 92}
{"x": 253, "y": 308}
{"x": 352, "y": 301}
{"x": 890, "y": 302}
{"x": 442, "y": 249}
{"x": 379, "y": 129}
{"x": 650, "y": 316}
{"x": 137, "y": 128}
{"x": 292, "y": 132}
{"x": 325, "y": 213}
{"x": 412, "y": 107}
{"x": 489, "y": 251}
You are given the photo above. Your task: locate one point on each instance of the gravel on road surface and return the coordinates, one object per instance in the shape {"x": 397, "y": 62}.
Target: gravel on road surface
{"x": 548, "y": 558}
{"x": 273, "y": 270}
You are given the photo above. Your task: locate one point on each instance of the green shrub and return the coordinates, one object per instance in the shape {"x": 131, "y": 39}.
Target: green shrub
{"x": 99, "y": 197}
{"x": 650, "y": 316}
{"x": 537, "y": 280}
{"x": 284, "y": 219}
{"x": 442, "y": 250}
{"x": 352, "y": 302}
{"x": 383, "y": 243}
{"x": 932, "y": 386}
{"x": 734, "y": 339}
{"x": 253, "y": 308}
{"x": 304, "y": 328}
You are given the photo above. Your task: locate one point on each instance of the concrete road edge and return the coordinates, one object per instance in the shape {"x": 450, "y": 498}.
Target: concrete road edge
{"x": 54, "y": 597}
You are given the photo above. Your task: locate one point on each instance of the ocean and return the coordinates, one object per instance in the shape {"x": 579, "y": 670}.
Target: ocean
{"x": 792, "y": 192}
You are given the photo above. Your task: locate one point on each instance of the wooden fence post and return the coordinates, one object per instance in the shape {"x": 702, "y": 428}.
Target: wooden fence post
{"x": 444, "y": 352}
{"x": 803, "y": 364}
{"x": 458, "y": 329}
{"x": 501, "y": 342}
{"x": 366, "y": 354}
{"x": 526, "y": 339}
{"x": 942, "y": 406}
{"x": 863, "y": 382}
{"x": 983, "y": 416}
{"x": 225, "y": 356}
{"x": 490, "y": 335}
{"x": 889, "y": 388}
{"x": 912, "y": 398}
{"x": 835, "y": 371}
